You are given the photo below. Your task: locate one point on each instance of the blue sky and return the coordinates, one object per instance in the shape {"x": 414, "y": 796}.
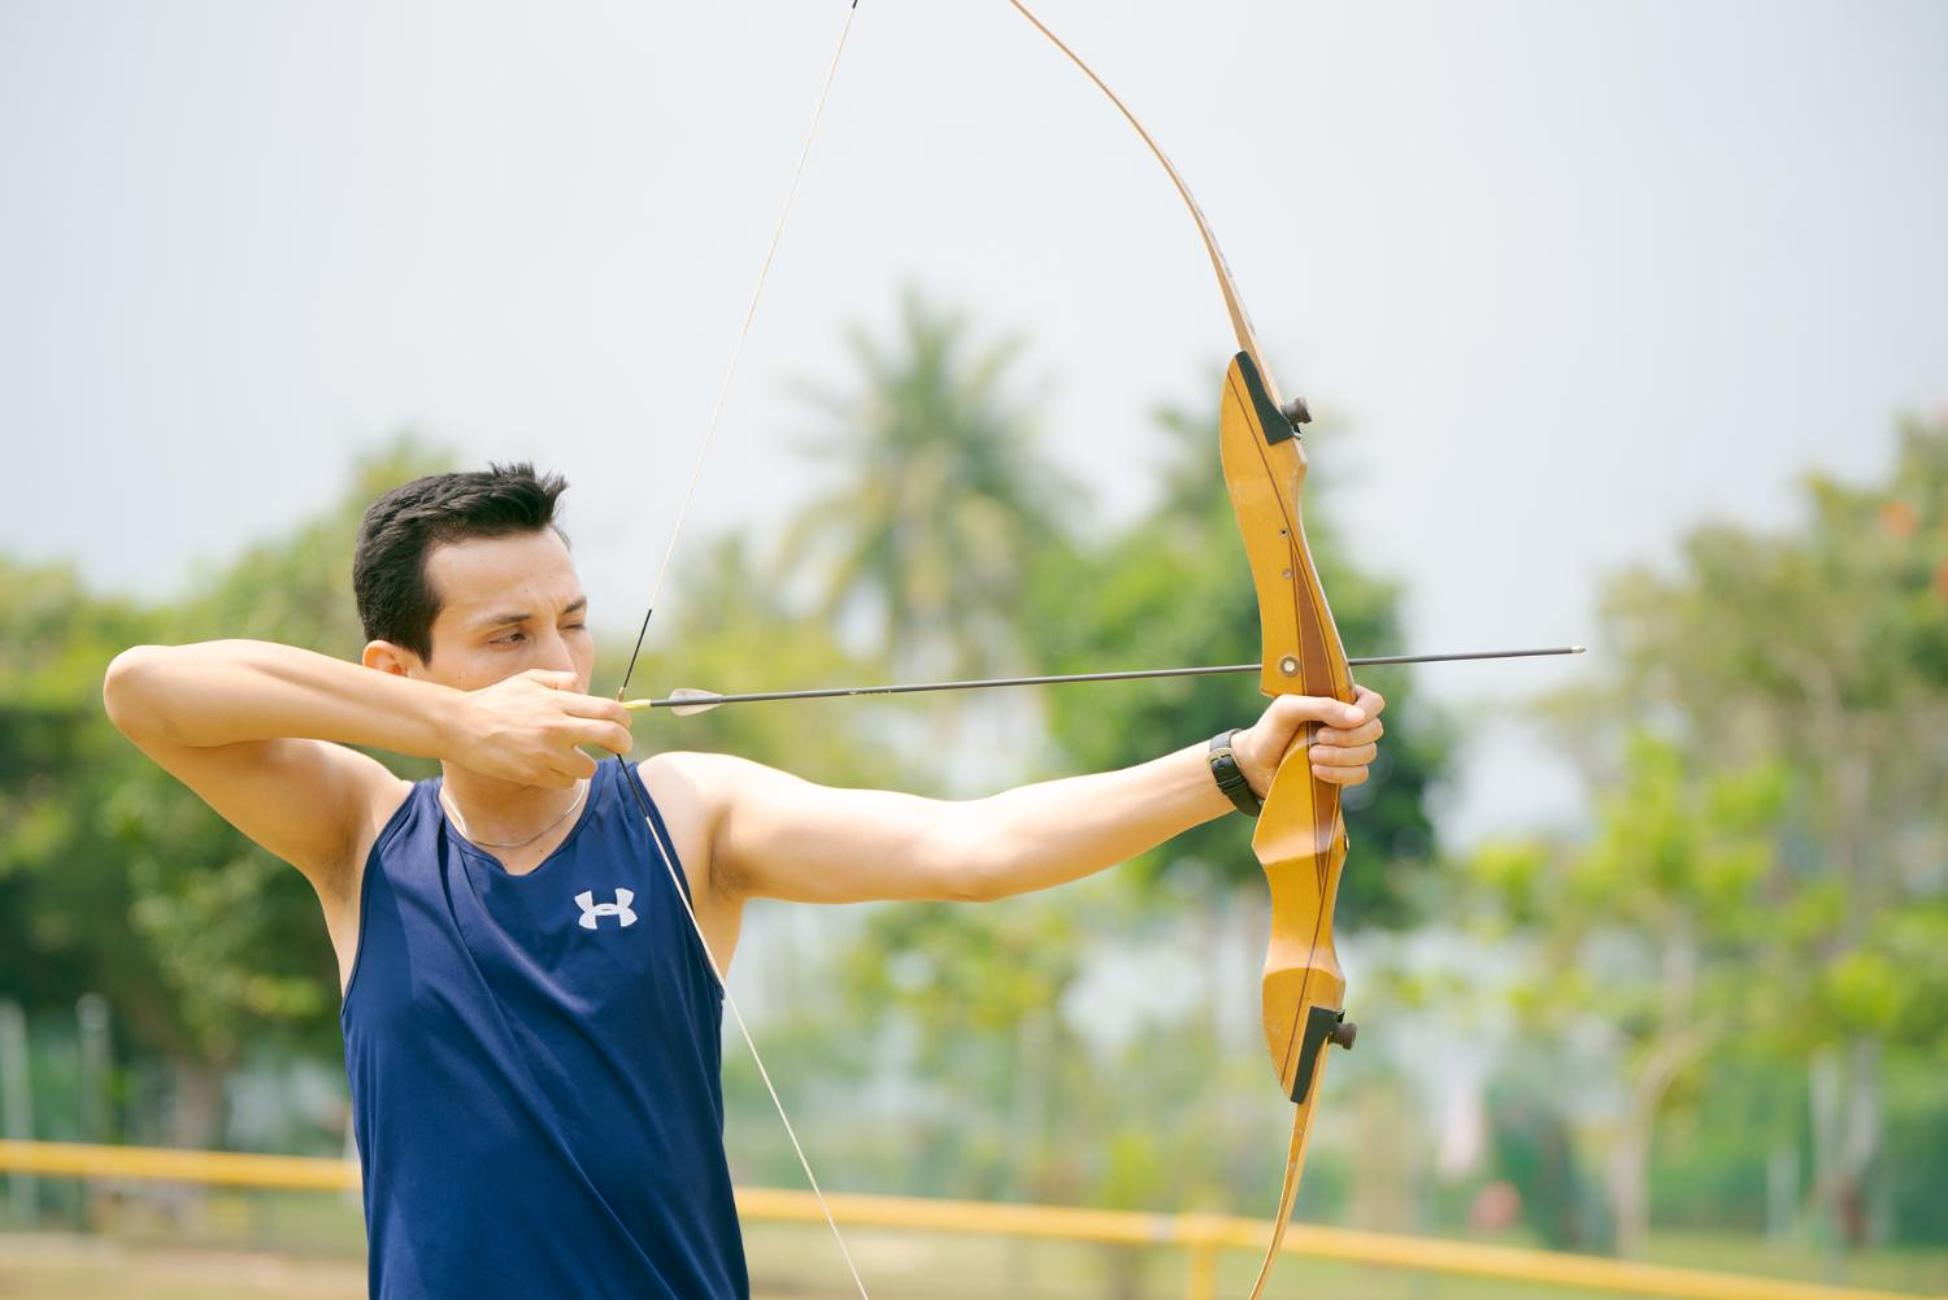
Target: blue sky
{"x": 1575, "y": 277}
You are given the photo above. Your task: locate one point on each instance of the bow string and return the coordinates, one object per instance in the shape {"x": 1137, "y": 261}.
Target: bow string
{"x": 1300, "y": 839}
{"x": 665, "y": 851}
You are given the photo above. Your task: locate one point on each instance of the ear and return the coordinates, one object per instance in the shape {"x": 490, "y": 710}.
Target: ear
{"x": 390, "y": 658}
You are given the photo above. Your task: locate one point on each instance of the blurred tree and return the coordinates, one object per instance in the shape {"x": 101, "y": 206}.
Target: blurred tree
{"x": 1536, "y": 1151}
{"x": 62, "y": 903}
{"x": 976, "y": 990}
{"x": 1819, "y": 654}
{"x": 1648, "y": 934}
{"x": 941, "y": 498}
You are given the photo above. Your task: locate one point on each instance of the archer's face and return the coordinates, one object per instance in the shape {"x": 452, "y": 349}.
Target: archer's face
{"x": 507, "y": 604}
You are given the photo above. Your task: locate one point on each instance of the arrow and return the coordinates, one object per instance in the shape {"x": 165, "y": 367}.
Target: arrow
{"x": 687, "y": 701}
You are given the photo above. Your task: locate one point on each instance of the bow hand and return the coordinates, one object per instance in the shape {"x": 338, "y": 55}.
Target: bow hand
{"x": 1343, "y": 738}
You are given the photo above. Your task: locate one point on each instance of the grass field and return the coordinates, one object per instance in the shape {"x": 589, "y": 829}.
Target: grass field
{"x": 239, "y": 1245}
{"x": 788, "y": 1263}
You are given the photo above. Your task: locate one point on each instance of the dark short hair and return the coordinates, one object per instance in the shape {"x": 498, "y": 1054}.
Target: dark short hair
{"x": 395, "y": 601}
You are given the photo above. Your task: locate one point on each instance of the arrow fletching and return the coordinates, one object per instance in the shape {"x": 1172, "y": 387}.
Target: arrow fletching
{"x": 694, "y": 701}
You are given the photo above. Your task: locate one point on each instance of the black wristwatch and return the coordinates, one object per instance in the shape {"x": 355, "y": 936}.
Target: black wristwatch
{"x": 1229, "y": 776}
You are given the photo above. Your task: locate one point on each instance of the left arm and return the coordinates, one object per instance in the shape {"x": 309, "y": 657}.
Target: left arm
{"x": 773, "y": 835}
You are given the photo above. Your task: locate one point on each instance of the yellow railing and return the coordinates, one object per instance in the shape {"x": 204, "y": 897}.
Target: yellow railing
{"x": 1203, "y": 1237}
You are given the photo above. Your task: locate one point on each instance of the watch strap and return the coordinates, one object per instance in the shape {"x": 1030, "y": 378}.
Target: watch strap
{"x": 1229, "y": 776}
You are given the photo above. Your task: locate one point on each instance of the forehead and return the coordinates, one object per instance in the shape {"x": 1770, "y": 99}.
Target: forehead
{"x": 477, "y": 571}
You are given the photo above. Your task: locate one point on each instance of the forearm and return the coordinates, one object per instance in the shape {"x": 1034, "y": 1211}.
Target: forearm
{"x": 217, "y": 693}
{"x": 1052, "y": 832}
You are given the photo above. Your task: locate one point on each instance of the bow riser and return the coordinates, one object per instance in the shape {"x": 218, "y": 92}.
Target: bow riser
{"x": 1301, "y": 837}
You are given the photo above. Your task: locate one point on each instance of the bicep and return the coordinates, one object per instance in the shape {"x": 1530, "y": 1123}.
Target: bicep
{"x": 780, "y": 836}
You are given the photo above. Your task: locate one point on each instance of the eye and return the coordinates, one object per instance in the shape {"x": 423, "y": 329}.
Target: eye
{"x": 511, "y": 638}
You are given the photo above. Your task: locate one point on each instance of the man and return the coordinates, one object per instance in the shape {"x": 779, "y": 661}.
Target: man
{"x": 531, "y": 1030}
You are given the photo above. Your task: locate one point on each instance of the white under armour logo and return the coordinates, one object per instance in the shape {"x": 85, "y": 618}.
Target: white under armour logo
{"x": 620, "y": 908}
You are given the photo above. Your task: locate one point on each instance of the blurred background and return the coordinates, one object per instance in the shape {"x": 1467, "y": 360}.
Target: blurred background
{"x": 1624, "y": 324}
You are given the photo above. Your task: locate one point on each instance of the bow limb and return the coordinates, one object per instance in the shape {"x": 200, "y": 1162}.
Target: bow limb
{"x": 1227, "y": 284}
{"x": 1287, "y": 1194}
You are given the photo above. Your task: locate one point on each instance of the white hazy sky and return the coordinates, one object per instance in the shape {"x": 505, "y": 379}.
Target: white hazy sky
{"x": 1577, "y": 275}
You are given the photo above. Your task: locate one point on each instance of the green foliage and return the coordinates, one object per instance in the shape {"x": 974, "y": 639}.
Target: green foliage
{"x": 971, "y": 996}
{"x": 114, "y": 878}
{"x": 1535, "y": 1149}
{"x": 59, "y": 763}
{"x": 1652, "y": 928}
{"x": 965, "y": 975}
{"x": 1766, "y": 877}
{"x": 1826, "y": 652}
{"x": 942, "y": 499}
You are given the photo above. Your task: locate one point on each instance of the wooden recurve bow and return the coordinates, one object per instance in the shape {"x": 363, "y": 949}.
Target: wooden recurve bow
{"x": 1301, "y": 836}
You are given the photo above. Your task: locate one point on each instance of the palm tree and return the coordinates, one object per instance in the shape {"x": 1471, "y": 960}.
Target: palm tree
{"x": 939, "y": 497}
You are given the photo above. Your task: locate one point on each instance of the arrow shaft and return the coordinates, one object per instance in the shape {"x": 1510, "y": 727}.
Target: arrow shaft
{"x": 1062, "y": 679}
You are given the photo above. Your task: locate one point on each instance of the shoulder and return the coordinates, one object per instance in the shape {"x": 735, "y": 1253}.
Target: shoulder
{"x": 708, "y": 776}
{"x": 707, "y": 790}
{"x": 692, "y": 791}
{"x": 712, "y": 803}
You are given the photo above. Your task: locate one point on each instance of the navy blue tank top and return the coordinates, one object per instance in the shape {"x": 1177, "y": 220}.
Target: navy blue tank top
{"x": 534, "y": 1063}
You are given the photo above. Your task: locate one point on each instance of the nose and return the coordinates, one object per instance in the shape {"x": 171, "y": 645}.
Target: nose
{"x": 553, "y": 652}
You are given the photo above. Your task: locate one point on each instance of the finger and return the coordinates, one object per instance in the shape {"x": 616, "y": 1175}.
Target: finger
{"x": 1370, "y": 700}
{"x": 580, "y": 766}
{"x": 1340, "y": 756}
{"x": 1362, "y": 735}
{"x": 1340, "y": 775}
{"x": 1295, "y": 710}
{"x": 596, "y": 706}
{"x": 1282, "y": 719}
{"x": 607, "y": 735}
{"x": 616, "y": 738}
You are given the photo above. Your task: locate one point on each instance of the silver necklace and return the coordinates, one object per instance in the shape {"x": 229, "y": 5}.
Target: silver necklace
{"x": 461, "y": 822}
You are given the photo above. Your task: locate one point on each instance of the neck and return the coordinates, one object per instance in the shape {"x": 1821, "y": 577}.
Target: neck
{"x": 500, "y": 810}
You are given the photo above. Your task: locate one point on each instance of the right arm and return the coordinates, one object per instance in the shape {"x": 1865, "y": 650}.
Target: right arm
{"x": 250, "y": 727}
{"x": 261, "y": 732}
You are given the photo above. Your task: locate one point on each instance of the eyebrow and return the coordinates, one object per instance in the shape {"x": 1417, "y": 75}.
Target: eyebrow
{"x": 511, "y": 617}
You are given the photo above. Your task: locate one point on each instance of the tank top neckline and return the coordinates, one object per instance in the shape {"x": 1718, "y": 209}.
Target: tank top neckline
{"x": 469, "y": 849}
